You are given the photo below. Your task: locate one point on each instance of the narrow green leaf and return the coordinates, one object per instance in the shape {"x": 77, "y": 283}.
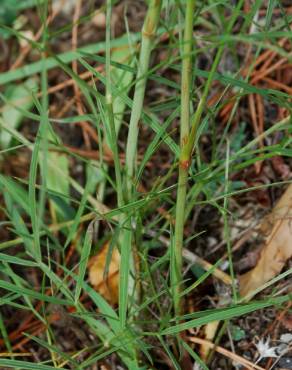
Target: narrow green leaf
{"x": 67, "y": 57}
{"x": 85, "y": 252}
{"x": 16, "y": 95}
{"x": 17, "y": 364}
{"x": 32, "y": 293}
{"x": 225, "y": 314}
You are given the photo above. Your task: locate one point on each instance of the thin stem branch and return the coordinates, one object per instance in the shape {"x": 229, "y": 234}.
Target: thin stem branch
{"x": 187, "y": 151}
{"x": 109, "y": 105}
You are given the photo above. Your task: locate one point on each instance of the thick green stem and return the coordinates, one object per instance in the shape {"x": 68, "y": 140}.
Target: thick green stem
{"x": 126, "y": 285}
{"x": 148, "y": 33}
{"x": 176, "y": 258}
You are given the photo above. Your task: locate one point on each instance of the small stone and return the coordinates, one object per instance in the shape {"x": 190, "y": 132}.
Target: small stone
{"x": 285, "y": 362}
{"x": 286, "y": 338}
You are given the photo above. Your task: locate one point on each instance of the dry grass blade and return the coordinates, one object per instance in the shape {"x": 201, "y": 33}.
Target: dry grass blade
{"x": 232, "y": 356}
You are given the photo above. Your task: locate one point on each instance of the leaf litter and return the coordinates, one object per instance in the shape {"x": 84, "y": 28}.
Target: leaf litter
{"x": 277, "y": 249}
{"x": 107, "y": 286}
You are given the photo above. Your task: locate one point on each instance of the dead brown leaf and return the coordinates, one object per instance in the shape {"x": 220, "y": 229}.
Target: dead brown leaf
{"x": 277, "y": 227}
{"x": 109, "y": 287}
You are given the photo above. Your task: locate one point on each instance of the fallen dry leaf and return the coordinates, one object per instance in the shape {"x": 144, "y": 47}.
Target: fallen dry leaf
{"x": 109, "y": 287}
{"x": 277, "y": 226}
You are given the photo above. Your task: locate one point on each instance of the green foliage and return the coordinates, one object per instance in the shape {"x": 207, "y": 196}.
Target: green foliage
{"x": 237, "y": 333}
{"x": 8, "y": 13}
{"x": 17, "y": 98}
{"x": 60, "y": 204}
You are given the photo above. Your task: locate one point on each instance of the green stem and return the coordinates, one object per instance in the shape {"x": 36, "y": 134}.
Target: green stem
{"x": 148, "y": 33}
{"x": 188, "y": 139}
{"x": 126, "y": 284}
{"x": 176, "y": 250}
